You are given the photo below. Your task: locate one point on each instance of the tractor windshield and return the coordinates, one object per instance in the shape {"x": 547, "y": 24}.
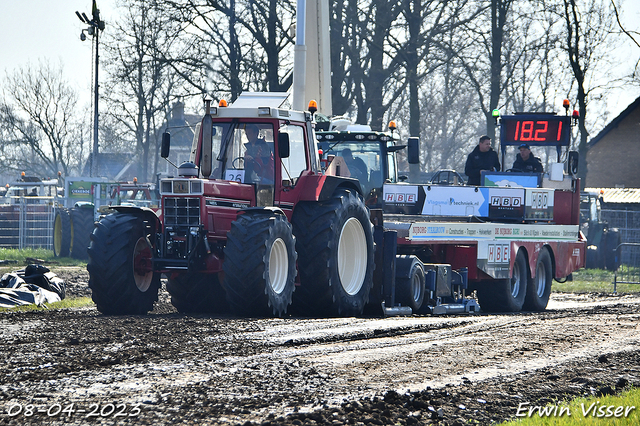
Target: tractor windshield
{"x": 363, "y": 159}
{"x": 245, "y": 152}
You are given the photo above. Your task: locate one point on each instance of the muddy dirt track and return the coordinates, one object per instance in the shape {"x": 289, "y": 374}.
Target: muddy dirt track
{"x": 80, "y": 367}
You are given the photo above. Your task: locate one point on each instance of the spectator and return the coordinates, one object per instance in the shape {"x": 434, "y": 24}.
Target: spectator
{"x": 526, "y": 162}
{"x": 483, "y": 157}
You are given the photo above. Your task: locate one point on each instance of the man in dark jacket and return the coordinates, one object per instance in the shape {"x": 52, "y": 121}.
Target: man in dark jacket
{"x": 483, "y": 157}
{"x": 526, "y": 162}
{"x": 258, "y": 157}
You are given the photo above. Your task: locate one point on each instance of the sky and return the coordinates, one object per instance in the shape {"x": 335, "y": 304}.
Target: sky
{"x": 34, "y": 30}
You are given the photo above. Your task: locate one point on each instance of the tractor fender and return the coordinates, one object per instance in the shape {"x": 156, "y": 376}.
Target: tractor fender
{"x": 332, "y": 183}
{"x": 142, "y": 211}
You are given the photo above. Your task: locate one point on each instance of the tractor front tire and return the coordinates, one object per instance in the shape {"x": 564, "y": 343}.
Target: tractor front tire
{"x": 259, "y": 264}
{"x": 61, "y": 233}
{"x": 121, "y": 274}
{"x": 335, "y": 253}
{"x": 197, "y": 293}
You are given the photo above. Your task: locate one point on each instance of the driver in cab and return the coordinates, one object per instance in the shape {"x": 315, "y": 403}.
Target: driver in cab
{"x": 258, "y": 156}
{"x": 357, "y": 167}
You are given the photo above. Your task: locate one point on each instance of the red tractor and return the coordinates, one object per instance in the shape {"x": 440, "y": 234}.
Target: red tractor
{"x": 251, "y": 219}
{"x": 255, "y": 216}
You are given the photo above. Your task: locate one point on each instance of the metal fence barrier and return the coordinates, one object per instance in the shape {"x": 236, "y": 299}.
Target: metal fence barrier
{"x": 27, "y": 222}
{"x": 627, "y": 221}
{"x": 628, "y": 271}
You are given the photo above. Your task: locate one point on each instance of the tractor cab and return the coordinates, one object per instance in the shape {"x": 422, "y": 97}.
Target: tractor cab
{"x": 361, "y": 153}
{"x": 251, "y": 142}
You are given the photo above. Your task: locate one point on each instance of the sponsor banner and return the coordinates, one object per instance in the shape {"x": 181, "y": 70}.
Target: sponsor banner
{"x": 403, "y": 198}
{"x": 401, "y": 194}
{"x": 80, "y": 189}
{"x": 539, "y": 204}
{"x": 494, "y": 258}
{"x": 460, "y": 201}
{"x": 505, "y": 202}
{"x": 446, "y": 231}
{"x": 454, "y": 201}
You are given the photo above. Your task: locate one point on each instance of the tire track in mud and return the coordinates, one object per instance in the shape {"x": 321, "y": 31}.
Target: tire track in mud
{"x": 412, "y": 355}
{"x": 248, "y": 369}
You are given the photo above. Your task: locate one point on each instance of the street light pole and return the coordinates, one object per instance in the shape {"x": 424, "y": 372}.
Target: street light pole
{"x": 94, "y": 162}
{"x": 95, "y": 26}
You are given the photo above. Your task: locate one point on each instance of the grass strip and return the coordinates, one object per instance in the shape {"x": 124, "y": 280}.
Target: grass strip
{"x": 17, "y": 258}
{"x": 593, "y": 281}
{"x": 621, "y": 409}
{"x": 74, "y": 302}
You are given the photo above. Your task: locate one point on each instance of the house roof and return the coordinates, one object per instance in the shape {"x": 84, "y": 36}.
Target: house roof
{"x": 110, "y": 164}
{"x": 181, "y": 126}
{"x": 615, "y": 122}
{"x": 617, "y": 195}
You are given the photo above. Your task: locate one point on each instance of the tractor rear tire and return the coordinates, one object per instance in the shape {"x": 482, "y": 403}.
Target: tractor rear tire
{"x": 82, "y": 223}
{"x": 259, "y": 264}
{"x": 121, "y": 274}
{"x": 61, "y": 233}
{"x": 197, "y": 293}
{"x": 335, "y": 253}
{"x": 410, "y": 282}
{"x": 539, "y": 287}
{"x": 506, "y": 295}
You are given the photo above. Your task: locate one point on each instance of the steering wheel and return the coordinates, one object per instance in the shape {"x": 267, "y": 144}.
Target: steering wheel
{"x": 447, "y": 177}
{"x": 238, "y": 159}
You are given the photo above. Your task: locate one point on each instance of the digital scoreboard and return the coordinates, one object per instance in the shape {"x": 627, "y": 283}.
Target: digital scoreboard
{"x": 535, "y": 129}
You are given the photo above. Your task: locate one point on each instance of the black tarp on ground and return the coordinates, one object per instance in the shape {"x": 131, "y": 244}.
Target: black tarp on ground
{"x": 34, "y": 284}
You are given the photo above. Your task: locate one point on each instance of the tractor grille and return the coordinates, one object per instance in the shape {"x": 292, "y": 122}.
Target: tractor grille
{"x": 181, "y": 211}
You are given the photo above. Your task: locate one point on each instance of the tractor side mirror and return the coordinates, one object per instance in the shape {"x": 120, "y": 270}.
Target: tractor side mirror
{"x": 572, "y": 162}
{"x": 207, "y": 135}
{"x": 413, "y": 150}
{"x": 166, "y": 144}
{"x": 283, "y": 145}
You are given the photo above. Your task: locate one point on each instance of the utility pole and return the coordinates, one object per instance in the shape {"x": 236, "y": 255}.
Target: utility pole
{"x": 95, "y": 25}
{"x": 312, "y": 59}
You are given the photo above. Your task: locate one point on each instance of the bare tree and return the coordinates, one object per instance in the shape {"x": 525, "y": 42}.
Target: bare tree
{"x": 490, "y": 71}
{"x": 39, "y": 122}
{"x": 633, "y": 35}
{"x": 346, "y": 69}
{"x": 366, "y": 63}
{"x": 238, "y": 44}
{"x": 587, "y": 41}
{"x": 140, "y": 86}
{"x": 428, "y": 23}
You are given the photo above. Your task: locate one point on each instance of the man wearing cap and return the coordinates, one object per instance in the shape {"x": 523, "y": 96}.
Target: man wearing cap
{"x": 526, "y": 162}
{"x": 483, "y": 157}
